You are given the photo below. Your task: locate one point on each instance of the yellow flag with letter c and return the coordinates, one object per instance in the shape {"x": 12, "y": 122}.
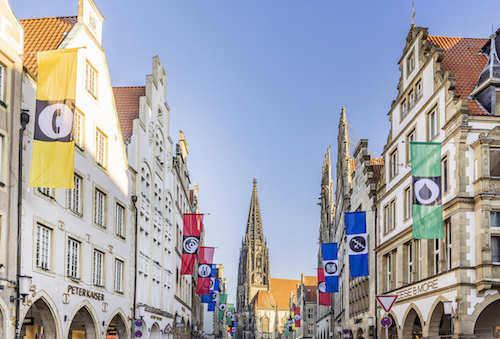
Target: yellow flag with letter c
{"x": 52, "y": 161}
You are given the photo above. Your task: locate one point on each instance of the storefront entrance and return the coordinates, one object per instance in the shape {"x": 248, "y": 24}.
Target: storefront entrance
{"x": 117, "y": 328}
{"x": 39, "y": 322}
{"x": 82, "y": 326}
{"x": 488, "y": 322}
{"x": 412, "y": 327}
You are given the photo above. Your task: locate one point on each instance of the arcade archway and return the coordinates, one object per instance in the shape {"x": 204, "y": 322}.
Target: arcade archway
{"x": 439, "y": 324}
{"x": 117, "y": 329}
{"x": 39, "y": 322}
{"x": 412, "y": 326}
{"x": 488, "y": 322}
{"x": 83, "y": 326}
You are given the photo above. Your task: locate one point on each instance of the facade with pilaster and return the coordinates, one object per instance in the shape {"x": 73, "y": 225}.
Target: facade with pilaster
{"x": 447, "y": 94}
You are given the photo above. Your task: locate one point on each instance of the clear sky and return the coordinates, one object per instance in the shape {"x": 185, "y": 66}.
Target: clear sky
{"x": 257, "y": 87}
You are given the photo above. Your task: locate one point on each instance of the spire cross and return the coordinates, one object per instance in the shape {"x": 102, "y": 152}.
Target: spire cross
{"x": 412, "y": 13}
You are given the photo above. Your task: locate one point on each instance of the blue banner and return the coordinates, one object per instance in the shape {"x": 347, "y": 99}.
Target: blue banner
{"x": 330, "y": 267}
{"x": 357, "y": 243}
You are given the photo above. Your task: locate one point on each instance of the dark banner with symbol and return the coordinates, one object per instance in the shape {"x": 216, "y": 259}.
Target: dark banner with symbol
{"x": 205, "y": 260}
{"x": 193, "y": 225}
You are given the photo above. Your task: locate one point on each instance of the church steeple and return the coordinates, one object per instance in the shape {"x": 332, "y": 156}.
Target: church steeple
{"x": 253, "y": 271}
{"x": 254, "y": 234}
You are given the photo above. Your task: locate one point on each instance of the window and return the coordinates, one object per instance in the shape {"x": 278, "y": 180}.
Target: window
{"x": 120, "y": 219}
{"x": 2, "y": 79}
{"x": 1, "y": 153}
{"x": 389, "y": 270}
{"x": 98, "y": 266}
{"x": 419, "y": 90}
{"x": 310, "y": 329}
{"x": 43, "y": 235}
{"x": 100, "y": 148}
{"x": 447, "y": 238}
{"x": 408, "y": 202}
{"x": 404, "y": 109}
{"x": 78, "y": 129}
{"x": 118, "y": 275}
{"x": 418, "y": 247}
{"x": 73, "y": 258}
{"x": 445, "y": 180}
{"x": 495, "y": 250}
{"x": 91, "y": 79}
{"x": 409, "y": 252}
{"x": 394, "y": 163}
{"x": 265, "y": 324}
{"x": 411, "y": 98}
{"x": 48, "y": 192}
{"x": 387, "y": 218}
{"x": 75, "y": 196}
{"x": 495, "y": 162}
{"x": 411, "y": 63}
{"x": 495, "y": 219}
{"x": 99, "y": 208}
{"x": 437, "y": 249}
{"x": 310, "y": 313}
{"x": 411, "y": 137}
{"x": 392, "y": 225}
{"x": 433, "y": 123}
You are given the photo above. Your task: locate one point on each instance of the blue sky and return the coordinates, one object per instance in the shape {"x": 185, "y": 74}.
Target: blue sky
{"x": 257, "y": 87}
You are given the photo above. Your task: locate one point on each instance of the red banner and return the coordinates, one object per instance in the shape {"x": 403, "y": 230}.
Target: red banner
{"x": 296, "y": 311}
{"x": 193, "y": 224}
{"x": 324, "y": 298}
{"x": 205, "y": 261}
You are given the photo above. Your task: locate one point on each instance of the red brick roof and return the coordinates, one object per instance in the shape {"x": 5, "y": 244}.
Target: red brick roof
{"x": 461, "y": 56}
{"x": 44, "y": 34}
{"x": 127, "y": 106}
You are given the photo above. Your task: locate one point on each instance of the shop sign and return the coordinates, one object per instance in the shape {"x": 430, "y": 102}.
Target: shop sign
{"x": 85, "y": 293}
{"x": 29, "y": 321}
{"x": 420, "y": 288}
{"x": 156, "y": 317}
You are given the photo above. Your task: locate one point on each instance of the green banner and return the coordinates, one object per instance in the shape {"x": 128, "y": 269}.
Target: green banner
{"x": 222, "y": 305}
{"x": 427, "y": 205}
{"x": 229, "y": 315}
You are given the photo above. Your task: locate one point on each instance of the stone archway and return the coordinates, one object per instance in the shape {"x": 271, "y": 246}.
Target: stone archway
{"x": 439, "y": 324}
{"x": 83, "y": 326}
{"x": 488, "y": 322}
{"x": 117, "y": 328}
{"x": 412, "y": 327}
{"x": 37, "y": 320}
{"x": 2, "y": 323}
{"x": 360, "y": 334}
{"x": 155, "y": 332}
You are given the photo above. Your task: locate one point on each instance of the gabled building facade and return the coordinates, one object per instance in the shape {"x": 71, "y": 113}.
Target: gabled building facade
{"x": 145, "y": 120}
{"x": 11, "y": 77}
{"x": 77, "y": 243}
{"x": 446, "y": 94}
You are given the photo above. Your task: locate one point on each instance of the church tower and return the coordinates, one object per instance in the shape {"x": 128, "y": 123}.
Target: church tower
{"x": 253, "y": 271}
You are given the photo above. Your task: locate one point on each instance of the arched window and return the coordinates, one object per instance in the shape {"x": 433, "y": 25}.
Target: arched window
{"x": 159, "y": 148}
{"x": 265, "y": 324}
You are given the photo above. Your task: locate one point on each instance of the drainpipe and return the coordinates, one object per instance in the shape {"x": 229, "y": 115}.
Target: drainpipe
{"x": 134, "y": 201}
{"x": 25, "y": 119}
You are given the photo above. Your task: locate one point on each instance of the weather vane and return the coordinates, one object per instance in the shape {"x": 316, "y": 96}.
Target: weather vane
{"x": 412, "y": 13}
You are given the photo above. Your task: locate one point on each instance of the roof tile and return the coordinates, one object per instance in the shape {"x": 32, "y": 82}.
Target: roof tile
{"x": 44, "y": 34}
{"x": 461, "y": 56}
{"x": 127, "y": 106}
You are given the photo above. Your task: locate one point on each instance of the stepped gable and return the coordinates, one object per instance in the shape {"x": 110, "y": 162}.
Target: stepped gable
{"x": 44, "y": 34}
{"x": 127, "y": 105}
{"x": 462, "y": 56}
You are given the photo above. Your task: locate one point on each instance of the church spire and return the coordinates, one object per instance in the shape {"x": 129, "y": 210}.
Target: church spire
{"x": 254, "y": 234}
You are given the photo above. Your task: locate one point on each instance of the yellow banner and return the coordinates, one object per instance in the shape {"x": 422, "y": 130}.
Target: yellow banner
{"x": 52, "y": 162}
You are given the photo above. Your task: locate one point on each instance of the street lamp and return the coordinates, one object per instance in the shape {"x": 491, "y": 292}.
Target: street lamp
{"x": 23, "y": 288}
{"x": 370, "y": 321}
{"x": 141, "y": 311}
{"x": 448, "y": 310}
